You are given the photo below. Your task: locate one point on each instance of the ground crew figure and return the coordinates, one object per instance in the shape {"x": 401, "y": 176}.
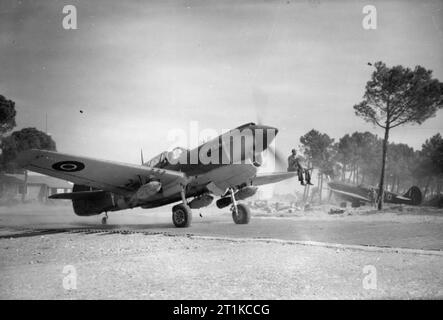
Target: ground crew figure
{"x": 295, "y": 165}
{"x": 373, "y": 197}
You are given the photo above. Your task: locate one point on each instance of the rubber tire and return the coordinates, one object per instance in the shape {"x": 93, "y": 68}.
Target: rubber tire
{"x": 244, "y": 214}
{"x": 181, "y": 208}
{"x": 104, "y": 221}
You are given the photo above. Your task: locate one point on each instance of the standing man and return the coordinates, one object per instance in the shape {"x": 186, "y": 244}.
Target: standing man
{"x": 295, "y": 165}
{"x": 373, "y": 197}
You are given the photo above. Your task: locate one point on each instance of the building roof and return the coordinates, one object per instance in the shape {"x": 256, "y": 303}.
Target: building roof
{"x": 10, "y": 178}
{"x": 37, "y": 179}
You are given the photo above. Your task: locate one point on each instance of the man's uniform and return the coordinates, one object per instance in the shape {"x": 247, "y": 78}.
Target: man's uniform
{"x": 294, "y": 165}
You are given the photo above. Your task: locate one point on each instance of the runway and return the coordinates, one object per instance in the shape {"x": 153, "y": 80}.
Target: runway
{"x": 141, "y": 255}
{"x": 402, "y": 231}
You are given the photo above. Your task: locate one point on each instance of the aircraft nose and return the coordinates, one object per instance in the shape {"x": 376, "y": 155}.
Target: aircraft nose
{"x": 266, "y": 129}
{"x": 268, "y": 134}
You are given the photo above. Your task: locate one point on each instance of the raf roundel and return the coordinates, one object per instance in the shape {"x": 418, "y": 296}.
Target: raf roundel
{"x": 68, "y": 166}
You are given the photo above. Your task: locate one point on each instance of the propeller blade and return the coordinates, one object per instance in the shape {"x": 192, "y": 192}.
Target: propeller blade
{"x": 280, "y": 160}
{"x": 260, "y": 103}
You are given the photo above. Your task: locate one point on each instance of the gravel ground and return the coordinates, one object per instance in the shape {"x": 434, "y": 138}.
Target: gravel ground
{"x": 137, "y": 266}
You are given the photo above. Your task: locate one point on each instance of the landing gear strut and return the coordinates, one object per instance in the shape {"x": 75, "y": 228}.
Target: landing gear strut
{"x": 181, "y": 213}
{"x": 240, "y": 212}
{"x": 105, "y": 219}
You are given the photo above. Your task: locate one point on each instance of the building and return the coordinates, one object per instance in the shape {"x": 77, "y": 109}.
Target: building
{"x": 38, "y": 187}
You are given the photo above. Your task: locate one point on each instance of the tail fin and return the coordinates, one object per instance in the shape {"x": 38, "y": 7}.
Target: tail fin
{"x": 414, "y": 194}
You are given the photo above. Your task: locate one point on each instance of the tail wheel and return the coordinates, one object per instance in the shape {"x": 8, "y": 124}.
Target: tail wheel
{"x": 243, "y": 214}
{"x": 181, "y": 216}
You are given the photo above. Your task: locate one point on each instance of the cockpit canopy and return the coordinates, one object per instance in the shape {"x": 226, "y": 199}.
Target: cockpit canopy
{"x": 166, "y": 157}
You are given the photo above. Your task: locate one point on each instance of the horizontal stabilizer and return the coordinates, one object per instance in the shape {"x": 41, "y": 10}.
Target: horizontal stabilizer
{"x": 351, "y": 194}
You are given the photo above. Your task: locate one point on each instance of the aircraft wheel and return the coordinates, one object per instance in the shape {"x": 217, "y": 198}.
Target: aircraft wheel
{"x": 181, "y": 215}
{"x": 243, "y": 214}
{"x": 104, "y": 220}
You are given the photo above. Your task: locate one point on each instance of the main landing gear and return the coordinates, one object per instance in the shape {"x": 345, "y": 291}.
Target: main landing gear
{"x": 240, "y": 212}
{"x": 181, "y": 213}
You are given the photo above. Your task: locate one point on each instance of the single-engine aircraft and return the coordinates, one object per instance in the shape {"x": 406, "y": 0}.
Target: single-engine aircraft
{"x": 102, "y": 186}
{"x": 358, "y": 195}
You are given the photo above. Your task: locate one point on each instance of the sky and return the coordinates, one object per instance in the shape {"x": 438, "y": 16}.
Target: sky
{"x": 139, "y": 69}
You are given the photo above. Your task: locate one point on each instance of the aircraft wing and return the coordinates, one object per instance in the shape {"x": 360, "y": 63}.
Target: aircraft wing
{"x": 266, "y": 178}
{"x": 120, "y": 178}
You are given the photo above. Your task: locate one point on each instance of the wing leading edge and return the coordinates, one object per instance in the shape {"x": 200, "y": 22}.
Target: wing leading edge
{"x": 267, "y": 178}
{"x": 120, "y": 178}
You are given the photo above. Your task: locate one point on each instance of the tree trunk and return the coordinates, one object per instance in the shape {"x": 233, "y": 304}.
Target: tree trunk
{"x": 398, "y": 184}
{"x": 356, "y": 174}
{"x": 383, "y": 165}
{"x": 427, "y": 187}
{"x": 306, "y": 191}
{"x": 25, "y": 186}
{"x": 321, "y": 186}
{"x": 354, "y": 170}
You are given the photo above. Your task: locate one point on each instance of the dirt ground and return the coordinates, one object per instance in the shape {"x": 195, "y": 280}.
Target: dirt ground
{"x": 137, "y": 266}
{"x": 104, "y": 265}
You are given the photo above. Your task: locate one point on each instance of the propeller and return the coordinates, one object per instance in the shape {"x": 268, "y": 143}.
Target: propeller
{"x": 280, "y": 160}
{"x": 261, "y": 105}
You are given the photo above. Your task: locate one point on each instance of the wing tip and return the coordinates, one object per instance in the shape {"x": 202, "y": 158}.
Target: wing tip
{"x": 25, "y": 157}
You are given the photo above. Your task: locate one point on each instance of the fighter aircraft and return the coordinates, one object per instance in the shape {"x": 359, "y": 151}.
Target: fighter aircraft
{"x": 102, "y": 186}
{"x": 360, "y": 194}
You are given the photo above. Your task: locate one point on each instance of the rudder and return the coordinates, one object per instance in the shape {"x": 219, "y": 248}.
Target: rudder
{"x": 415, "y": 195}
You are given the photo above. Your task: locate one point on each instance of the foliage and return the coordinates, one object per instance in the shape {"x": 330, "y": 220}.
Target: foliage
{"x": 396, "y": 96}
{"x": 7, "y": 115}
{"x": 356, "y": 158}
{"x": 399, "y": 95}
{"x": 24, "y": 139}
{"x": 318, "y": 147}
